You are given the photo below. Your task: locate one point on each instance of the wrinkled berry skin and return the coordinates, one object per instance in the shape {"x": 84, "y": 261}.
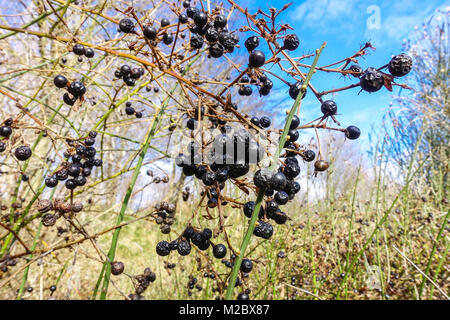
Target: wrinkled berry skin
{"x": 256, "y": 59}
{"x": 400, "y": 65}
{"x": 251, "y": 43}
{"x": 23, "y": 153}
{"x": 196, "y": 42}
{"x": 216, "y": 50}
{"x": 263, "y": 230}
{"x": 60, "y": 81}
{"x": 184, "y": 248}
{"x": 329, "y": 108}
{"x": 291, "y": 42}
{"x": 262, "y": 178}
{"x": 352, "y": 132}
{"x": 77, "y": 89}
{"x": 243, "y": 296}
{"x": 356, "y": 69}
{"x": 150, "y": 32}
{"x": 219, "y": 251}
{"x": 163, "y": 248}
{"x": 265, "y": 122}
{"x": 372, "y": 80}
{"x": 126, "y": 25}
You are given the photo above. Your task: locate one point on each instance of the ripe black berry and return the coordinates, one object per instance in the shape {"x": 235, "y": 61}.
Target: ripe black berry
{"x": 278, "y": 181}
{"x": 255, "y": 121}
{"x": 209, "y": 178}
{"x": 220, "y": 21}
{"x": 256, "y": 59}
{"x": 68, "y": 99}
{"x": 372, "y": 80}
{"x": 78, "y": 49}
{"x": 129, "y": 81}
{"x": 400, "y": 65}
{"x": 23, "y": 153}
{"x": 243, "y": 296}
{"x": 222, "y": 175}
{"x": 262, "y": 178}
{"x": 219, "y": 251}
{"x": 2, "y": 146}
{"x": 281, "y": 197}
{"x": 150, "y": 32}
{"x": 216, "y": 50}
{"x": 212, "y": 35}
{"x": 200, "y": 18}
{"x": 126, "y": 25}
{"x": 246, "y": 265}
{"x": 352, "y": 132}
{"x": 196, "y": 42}
{"x": 5, "y": 131}
{"x": 321, "y": 165}
{"x": 356, "y": 69}
{"x": 294, "y": 90}
{"x": 206, "y": 234}
{"x": 251, "y": 43}
{"x": 329, "y": 108}
{"x": 163, "y": 248}
{"x": 309, "y": 155}
{"x": 117, "y": 268}
{"x": 74, "y": 170}
{"x": 89, "y": 53}
{"x": 71, "y": 184}
{"x": 184, "y": 248}
{"x": 291, "y": 42}
{"x": 292, "y": 187}
{"x": 60, "y": 81}
{"x": 51, "y": 182}
{"x": 280, "y": 217}
{"x": 293, "y": 135}
{"x": 295, "y": 122}
{"x": 77, "y": 89}
{"x": 167, "y": 38}
{"x": 165, "y": 22}
{"x": 265, "y": 122}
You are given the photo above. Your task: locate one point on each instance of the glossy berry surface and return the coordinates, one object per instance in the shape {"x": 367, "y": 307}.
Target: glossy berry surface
{"x": 352, "y": 132}
{"x": 256, "y": 59}
{"x": 328, "y": 108}
{"x": 23, "y": 153}
{"x": 372, "y": 80}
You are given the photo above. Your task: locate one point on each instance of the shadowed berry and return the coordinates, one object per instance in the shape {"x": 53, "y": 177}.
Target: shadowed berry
{"x": 278, "y": 181}
{"x": 265, "y": 122}
{"x": 68, "y": 99}
{"x": 309, "y": 155}
{"x": 219, "y": 251}
{"x": 281, "y": 197}
{"x": 220, "y": 21}
{"x": 294, "y": 90}
{"x": 150, "y": 32}
{"x": 216, "y": 50}
{"x": 184, "y": 248}
{"x": 262, "y": 178}
{"x": 89, "y": 53}
{"x": 78, "y": 49}
{"x": 60, "y": 81}
{"x": 196, "y": 42}
{"x": 263, "y": 230}
{"x": 329, "y": 108}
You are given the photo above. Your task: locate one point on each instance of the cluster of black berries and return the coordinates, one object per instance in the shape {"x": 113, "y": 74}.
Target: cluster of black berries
{"x": 193, "y": 283}
{"x": 59, "y": 206}
{"x": 220, "y": 165}
{"x": 83, "y": 160}
{"x": 5, "y": 132}
{"x": 81, "y": 50}
{"x": 129, "y": 110}
{"x": 76, "y": 89}
{"x": 209, "y": 28}
{"x": 373, "y": 79}
{"x": 129, "y": 75}
{"x": 165, "y": 216}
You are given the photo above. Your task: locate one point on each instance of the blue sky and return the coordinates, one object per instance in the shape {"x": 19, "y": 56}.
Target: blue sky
{"x": 343, "y": 25}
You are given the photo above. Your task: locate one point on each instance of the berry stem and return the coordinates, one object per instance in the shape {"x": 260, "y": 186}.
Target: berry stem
{"x": 251, "y": 227}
